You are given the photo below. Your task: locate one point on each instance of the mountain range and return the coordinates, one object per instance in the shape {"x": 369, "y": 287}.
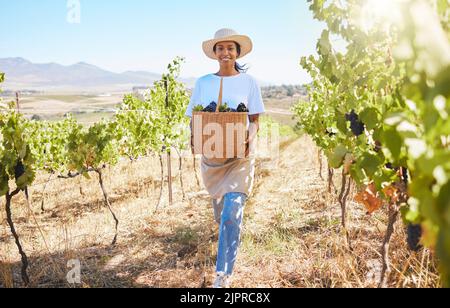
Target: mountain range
{"x": 22, "y": 74}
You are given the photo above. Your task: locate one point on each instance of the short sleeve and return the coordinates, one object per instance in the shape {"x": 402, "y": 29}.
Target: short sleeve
{"x": 255, "y": 101}
{"x": 195, "y": 99}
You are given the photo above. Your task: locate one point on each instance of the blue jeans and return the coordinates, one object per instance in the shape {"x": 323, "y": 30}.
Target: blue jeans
{"x": 229, "y": 212}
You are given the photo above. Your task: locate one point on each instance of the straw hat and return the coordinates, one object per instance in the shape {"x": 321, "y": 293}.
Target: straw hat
{"x": 228, "y": 35}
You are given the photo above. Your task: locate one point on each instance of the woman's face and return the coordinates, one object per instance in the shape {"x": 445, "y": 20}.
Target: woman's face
{"x": 226, "y": 53}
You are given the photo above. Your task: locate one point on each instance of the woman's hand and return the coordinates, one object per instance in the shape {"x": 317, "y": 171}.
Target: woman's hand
{"x": 248, "y": 145}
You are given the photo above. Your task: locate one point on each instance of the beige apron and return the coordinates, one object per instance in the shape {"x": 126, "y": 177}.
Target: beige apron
{"x": 221, "y": 176}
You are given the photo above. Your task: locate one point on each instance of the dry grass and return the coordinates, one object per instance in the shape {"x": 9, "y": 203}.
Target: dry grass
{"x": 292, "y": 235}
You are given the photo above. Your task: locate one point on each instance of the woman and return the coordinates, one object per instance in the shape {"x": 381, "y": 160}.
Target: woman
{"x": 229, "y": 181}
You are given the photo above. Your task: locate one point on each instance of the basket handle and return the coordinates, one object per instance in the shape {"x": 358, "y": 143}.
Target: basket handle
{"x": 219, "y": 101}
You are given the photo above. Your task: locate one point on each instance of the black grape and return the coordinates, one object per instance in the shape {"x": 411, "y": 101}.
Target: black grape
{"x": 414, "y": 233}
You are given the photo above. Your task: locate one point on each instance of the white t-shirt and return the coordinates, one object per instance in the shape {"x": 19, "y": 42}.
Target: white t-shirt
{"x": 241, "y": 88}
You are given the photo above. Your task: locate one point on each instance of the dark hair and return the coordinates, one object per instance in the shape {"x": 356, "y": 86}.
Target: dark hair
{"x": 237, "y": 66}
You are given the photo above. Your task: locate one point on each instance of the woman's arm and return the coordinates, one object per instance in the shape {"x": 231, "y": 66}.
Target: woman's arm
{"x": 192, "y": 138}
{"x": 254, "y": 126}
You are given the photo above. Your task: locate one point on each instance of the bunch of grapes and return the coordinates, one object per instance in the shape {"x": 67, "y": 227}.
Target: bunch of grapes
{"x": 356, "y": 125}
{"x": 222, "y": 108}
{"x": 242, "y": 108}
{"x": 414, "y": 233}
{"x": 211, "y": 107}
{"x": 19, "y": 170}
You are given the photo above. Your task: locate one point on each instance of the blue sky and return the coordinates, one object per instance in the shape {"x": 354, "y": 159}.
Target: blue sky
{"x": 121, "y": 35}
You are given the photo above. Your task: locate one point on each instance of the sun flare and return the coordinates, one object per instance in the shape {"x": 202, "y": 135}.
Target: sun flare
{"x": 375, "y": 13}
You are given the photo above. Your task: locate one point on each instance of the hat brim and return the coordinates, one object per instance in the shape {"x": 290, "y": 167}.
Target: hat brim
{"x": 244, "y": 41}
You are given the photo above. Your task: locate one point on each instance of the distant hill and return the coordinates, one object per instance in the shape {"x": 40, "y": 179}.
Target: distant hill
{"x": 22, "y": 74}
{"x": 284, "y": 91}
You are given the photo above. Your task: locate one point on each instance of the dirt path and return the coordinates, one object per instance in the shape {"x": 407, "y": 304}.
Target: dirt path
{"x": 289, "y": 194}
{"x": 279, "y": 111}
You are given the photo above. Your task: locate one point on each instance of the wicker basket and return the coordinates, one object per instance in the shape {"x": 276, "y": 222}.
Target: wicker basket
{"x": 219, "y": 134}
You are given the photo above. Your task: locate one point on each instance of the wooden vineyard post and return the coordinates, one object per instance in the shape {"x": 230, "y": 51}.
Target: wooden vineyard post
{"x": 169, "y": 165}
